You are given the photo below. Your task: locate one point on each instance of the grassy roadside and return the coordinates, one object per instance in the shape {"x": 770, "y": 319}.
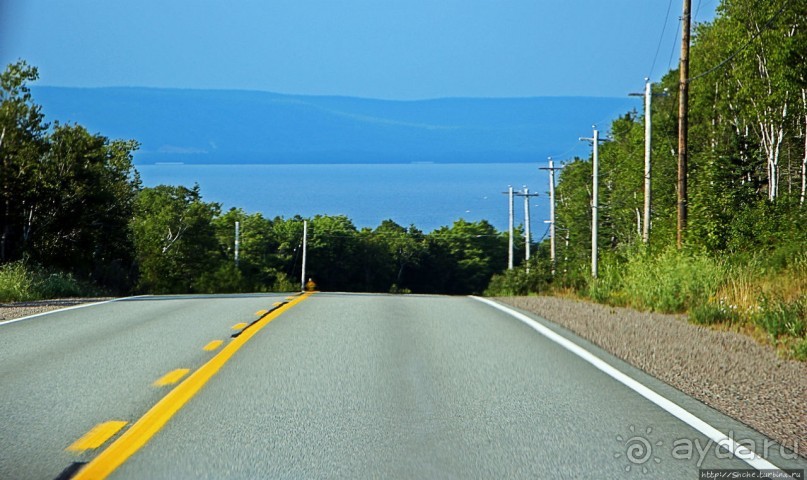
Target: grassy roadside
{"x": 21, "y": 282}
{"x": 764, "y": 297}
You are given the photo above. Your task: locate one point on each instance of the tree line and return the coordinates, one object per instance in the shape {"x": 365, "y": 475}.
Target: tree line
{"x": 72, "y": 201}
{"x": 744, "y": 255}
{"x": 747, "y": 148}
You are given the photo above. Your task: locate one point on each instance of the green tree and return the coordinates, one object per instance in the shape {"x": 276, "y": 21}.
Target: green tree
{"x": 462, "y": 258}
{"x": 175, "y": 240}
{"x": 79, "y": 220}
{"x": 22, "y": 143}
{"x": 404, "y": 246}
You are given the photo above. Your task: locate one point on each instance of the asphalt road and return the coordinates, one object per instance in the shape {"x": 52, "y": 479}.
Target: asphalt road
{"x": 334, "y": 386}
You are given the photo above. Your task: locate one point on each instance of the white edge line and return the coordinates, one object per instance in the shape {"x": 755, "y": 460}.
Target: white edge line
{"x": 675, "y": 410}
{"x": 74, "y": 307}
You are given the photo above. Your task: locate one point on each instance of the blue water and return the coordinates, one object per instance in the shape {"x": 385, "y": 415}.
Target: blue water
{"x": 426, "y": 195}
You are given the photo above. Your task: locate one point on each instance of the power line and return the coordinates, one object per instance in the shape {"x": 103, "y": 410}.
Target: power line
{"x": 660, "y": 39}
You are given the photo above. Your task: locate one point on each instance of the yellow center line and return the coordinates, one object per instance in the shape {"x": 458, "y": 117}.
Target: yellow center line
{"x": 239, "y": 326}
{"x": 171, "y": 377}
{"x": 277, "y": 304}
{"x": 97, "y": 436}
{"x": 152, "y": 421}
{"x": 261, "y": 313}
{"x": 213, "y": 345}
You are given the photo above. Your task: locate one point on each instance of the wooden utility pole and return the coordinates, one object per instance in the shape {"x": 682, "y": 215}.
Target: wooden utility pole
{"x": 683, "y": 123}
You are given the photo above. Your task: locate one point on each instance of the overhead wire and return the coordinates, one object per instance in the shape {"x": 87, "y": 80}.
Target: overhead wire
{"x": 660, "y": 39}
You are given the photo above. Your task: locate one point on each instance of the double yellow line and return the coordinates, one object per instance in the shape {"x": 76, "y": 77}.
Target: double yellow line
{"x": 152, "y": 421}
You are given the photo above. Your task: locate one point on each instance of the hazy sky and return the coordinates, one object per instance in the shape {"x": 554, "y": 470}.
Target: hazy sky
{"x": 394, "y": 49}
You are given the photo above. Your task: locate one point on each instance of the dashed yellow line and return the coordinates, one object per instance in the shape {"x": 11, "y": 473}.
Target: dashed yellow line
{"x": 261, "y": 313}
{"x": 171, "y": 377}
{"x": 213, "y": 345}
{"x": 152, "y": 421}
{"x": 239, "y": 326}
{"x": 97, "y": 436}
{"x": 277, "y": 304}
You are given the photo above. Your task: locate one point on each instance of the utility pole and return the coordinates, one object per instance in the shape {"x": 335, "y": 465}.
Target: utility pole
{"x": 527, "y": 225}
{"x": 305, "y": 251}
{"x": 237, "y": 241}
{"x": 683, "y": 124}
{"x": 510, "y": 242}
{"x": 648, "y": 138}
{"x": 551, "y": 212}
{"x": 527, "y": 196}
{"x": 595, "y": 141}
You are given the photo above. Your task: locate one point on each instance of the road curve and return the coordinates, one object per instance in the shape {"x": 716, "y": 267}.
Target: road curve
{"x": 338, "y": 386}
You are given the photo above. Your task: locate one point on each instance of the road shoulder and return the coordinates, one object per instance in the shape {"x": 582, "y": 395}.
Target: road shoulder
{"x": 725, "y": 370}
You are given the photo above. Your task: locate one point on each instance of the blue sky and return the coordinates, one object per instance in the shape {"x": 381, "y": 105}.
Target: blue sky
{"x": 392, "y": 49}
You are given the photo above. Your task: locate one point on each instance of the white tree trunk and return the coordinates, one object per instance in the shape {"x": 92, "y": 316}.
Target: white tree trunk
{"x": 804, "y": 160}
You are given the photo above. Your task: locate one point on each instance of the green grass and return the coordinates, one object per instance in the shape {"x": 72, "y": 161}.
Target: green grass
{"x": 20, "y": 282}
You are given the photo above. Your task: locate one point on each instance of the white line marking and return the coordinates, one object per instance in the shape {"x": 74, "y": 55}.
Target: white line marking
{"x": 714, "y": 434}
{"x": 74, "y": 307}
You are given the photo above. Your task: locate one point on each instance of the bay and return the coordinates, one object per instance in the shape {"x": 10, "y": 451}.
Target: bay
{"x": 428, "y": 195}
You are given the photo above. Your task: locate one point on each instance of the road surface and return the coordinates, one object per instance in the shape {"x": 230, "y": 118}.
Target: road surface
{"x": 334, "y": 386}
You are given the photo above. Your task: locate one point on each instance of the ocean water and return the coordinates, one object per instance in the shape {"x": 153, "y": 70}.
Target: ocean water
{"x": 427, "y": 195}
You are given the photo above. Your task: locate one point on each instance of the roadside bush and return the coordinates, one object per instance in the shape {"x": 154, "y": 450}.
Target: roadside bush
{"x": 20, "y": 282}
{"x": 16, "y": 283}
{"x": 608, "y": 286}
{"x": 710, "y": 313}
{"x": 778, "y": 317}
{"x": 284, "y": 284}
{"x": 800, "y": 350}
{"x": 519, "y": 282}
{"x": 673, "y": 281}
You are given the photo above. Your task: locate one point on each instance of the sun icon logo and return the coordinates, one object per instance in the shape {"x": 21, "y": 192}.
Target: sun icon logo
{"x": 638, "y": 449}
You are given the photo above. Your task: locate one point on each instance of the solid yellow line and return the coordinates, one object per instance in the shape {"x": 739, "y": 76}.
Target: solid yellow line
{"x": 171, "y": 377}
{"x": 141, "y": 431}
{"x": 97, "y": 436}
{"x": 239, "y": 326}
{"x": 213, "y": 345}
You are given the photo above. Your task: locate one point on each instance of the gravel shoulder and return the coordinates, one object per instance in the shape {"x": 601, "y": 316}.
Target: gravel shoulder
{"x": 726, "y": 370}
{"x": 9, "y": 311}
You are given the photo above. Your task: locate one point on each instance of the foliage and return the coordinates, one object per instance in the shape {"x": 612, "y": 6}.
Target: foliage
{"x": 175, "y": 242}
{"x": 66, "y": 196}
{"x": 778, "y": 317}
{"x": 522, "y": 280}
{"x": 21, "y": 281}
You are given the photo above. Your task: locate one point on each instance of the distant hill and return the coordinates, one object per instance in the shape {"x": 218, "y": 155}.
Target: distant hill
{"x": 224, "y": 126}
